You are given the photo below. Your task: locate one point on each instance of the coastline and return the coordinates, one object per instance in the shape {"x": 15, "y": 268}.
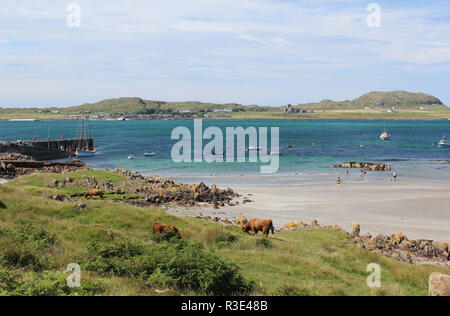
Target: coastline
{"x": 418, "y": 118}
{"x": 412, "y": 207}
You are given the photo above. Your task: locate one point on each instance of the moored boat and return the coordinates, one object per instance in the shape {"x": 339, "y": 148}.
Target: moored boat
{"x": 443, "y": 143}
{"x": 253, "y": 148}
{"x": 83, "y": 144}
{"x": 84, "y": 153}
{"x": 385, "y": 135}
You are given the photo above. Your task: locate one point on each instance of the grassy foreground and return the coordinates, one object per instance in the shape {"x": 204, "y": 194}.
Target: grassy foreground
{"x": 114, "y": 245}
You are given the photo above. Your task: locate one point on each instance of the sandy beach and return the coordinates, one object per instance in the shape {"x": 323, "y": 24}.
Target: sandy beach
{"x": 419, "y": 209}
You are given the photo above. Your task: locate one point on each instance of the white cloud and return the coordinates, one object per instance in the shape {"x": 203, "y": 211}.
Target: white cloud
{"x": 217, "y": 42}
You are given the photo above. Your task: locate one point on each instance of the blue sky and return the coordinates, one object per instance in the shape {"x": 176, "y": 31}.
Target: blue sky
{"x": 267, "y": 52}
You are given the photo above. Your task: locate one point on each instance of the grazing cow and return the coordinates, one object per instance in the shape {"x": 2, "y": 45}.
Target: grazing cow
{"x": 258, "y": 224}
{"x": 159, "y": 228}
{"x": 94, "y": 192}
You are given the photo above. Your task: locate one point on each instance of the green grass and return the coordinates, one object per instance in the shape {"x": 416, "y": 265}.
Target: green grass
{"x": 348, "y": 114}
{"x": 40, "y": 237}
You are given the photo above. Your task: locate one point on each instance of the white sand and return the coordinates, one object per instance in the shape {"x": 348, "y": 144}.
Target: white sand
{"x": 420, "y": 209}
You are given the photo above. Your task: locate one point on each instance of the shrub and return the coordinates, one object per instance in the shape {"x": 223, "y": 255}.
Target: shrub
{"x": 27, "y": 247}
{"x": 37, "y": 238}
{"x": 121, "y": 250}
{"x": 263, "y": 243}
{"x": 124, "y": 259}
{"x": 46, "y": 283}
{"x": 176, "y": 264}
{"x": 217, "y": 235}
{"x": 194, "y": 269}
{"x": 8, "y": 282}
{"x": 292, "y": 290}
{"x": 167, "y": 236}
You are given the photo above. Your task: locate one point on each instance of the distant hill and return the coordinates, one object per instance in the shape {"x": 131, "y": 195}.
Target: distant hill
{"x": 378, "y": 99}
{"x": 138, "y": 105}
{"x": 111, "y": 105}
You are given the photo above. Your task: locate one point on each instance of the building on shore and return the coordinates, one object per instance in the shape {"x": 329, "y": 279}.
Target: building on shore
{"x": 290, "y": 109}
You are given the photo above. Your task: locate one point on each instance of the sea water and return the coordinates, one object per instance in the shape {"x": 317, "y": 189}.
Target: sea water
{"x": 315, "y": 145}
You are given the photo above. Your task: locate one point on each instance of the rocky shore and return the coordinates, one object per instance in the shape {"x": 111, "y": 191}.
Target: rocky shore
{"x": 13, "y": 165}
{"x": 153, "y": 190}
{"x": 396, "y": 246}
{"x": 363, "y": 165}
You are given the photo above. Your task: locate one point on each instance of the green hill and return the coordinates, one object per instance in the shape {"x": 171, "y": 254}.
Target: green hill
{"x": 138, "y": 105}
{"x": 396, "y": 98}
{"x": 381, "y": 100}
{"x": 111, "y": 105}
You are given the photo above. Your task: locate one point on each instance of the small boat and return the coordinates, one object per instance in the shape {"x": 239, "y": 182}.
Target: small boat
{"x": 84, "y": 153}
{"x": 83, "y": 145}
{"x": 385, "y": 135}
{"x": 275, "y": 153}
{"x": 443, "y": 143}
{"x": 149, "y": 154}
{"x": 251, "y": 148}
{"x": 121, "y": 118}
{"x": 131, "y": 157}
{"x": 218, "y": 154}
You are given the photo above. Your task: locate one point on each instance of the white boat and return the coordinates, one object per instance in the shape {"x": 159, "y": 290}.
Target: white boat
{"x": 23, "y": 120}
{"x": 84, "y": 153}
{"x": 251, "y": 148}
{"x": 149, "y": 154}
{"x": 443, "y": 143}
{"x": 121, "y": 118}
{"x": 385, "y": 135}
{"x": 131, "y": 157}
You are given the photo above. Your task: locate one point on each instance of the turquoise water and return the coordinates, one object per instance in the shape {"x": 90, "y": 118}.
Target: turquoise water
{"x": 335, "y": 142}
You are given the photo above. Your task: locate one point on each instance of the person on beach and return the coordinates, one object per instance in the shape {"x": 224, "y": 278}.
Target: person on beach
{"x": 347, "y": 173}
{"x": 338, "y": 180}
{"x": 394, "y": 175}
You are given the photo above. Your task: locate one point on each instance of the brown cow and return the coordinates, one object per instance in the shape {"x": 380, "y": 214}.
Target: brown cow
{"x": 94, "y": 192}
{"x": 257, "y": 224}
{"x": 159, "y": 228}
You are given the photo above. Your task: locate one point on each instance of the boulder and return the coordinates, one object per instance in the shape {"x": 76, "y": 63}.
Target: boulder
{"x": 356, "y": 230}
{"x": 364, "y": 165}
{"x": 302, "y": 224}
{"x": 439, "y": 284}
{"x": 399, "y": 237}
{"x": 82, "y": 206}
{"x": 336, "y": 227}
